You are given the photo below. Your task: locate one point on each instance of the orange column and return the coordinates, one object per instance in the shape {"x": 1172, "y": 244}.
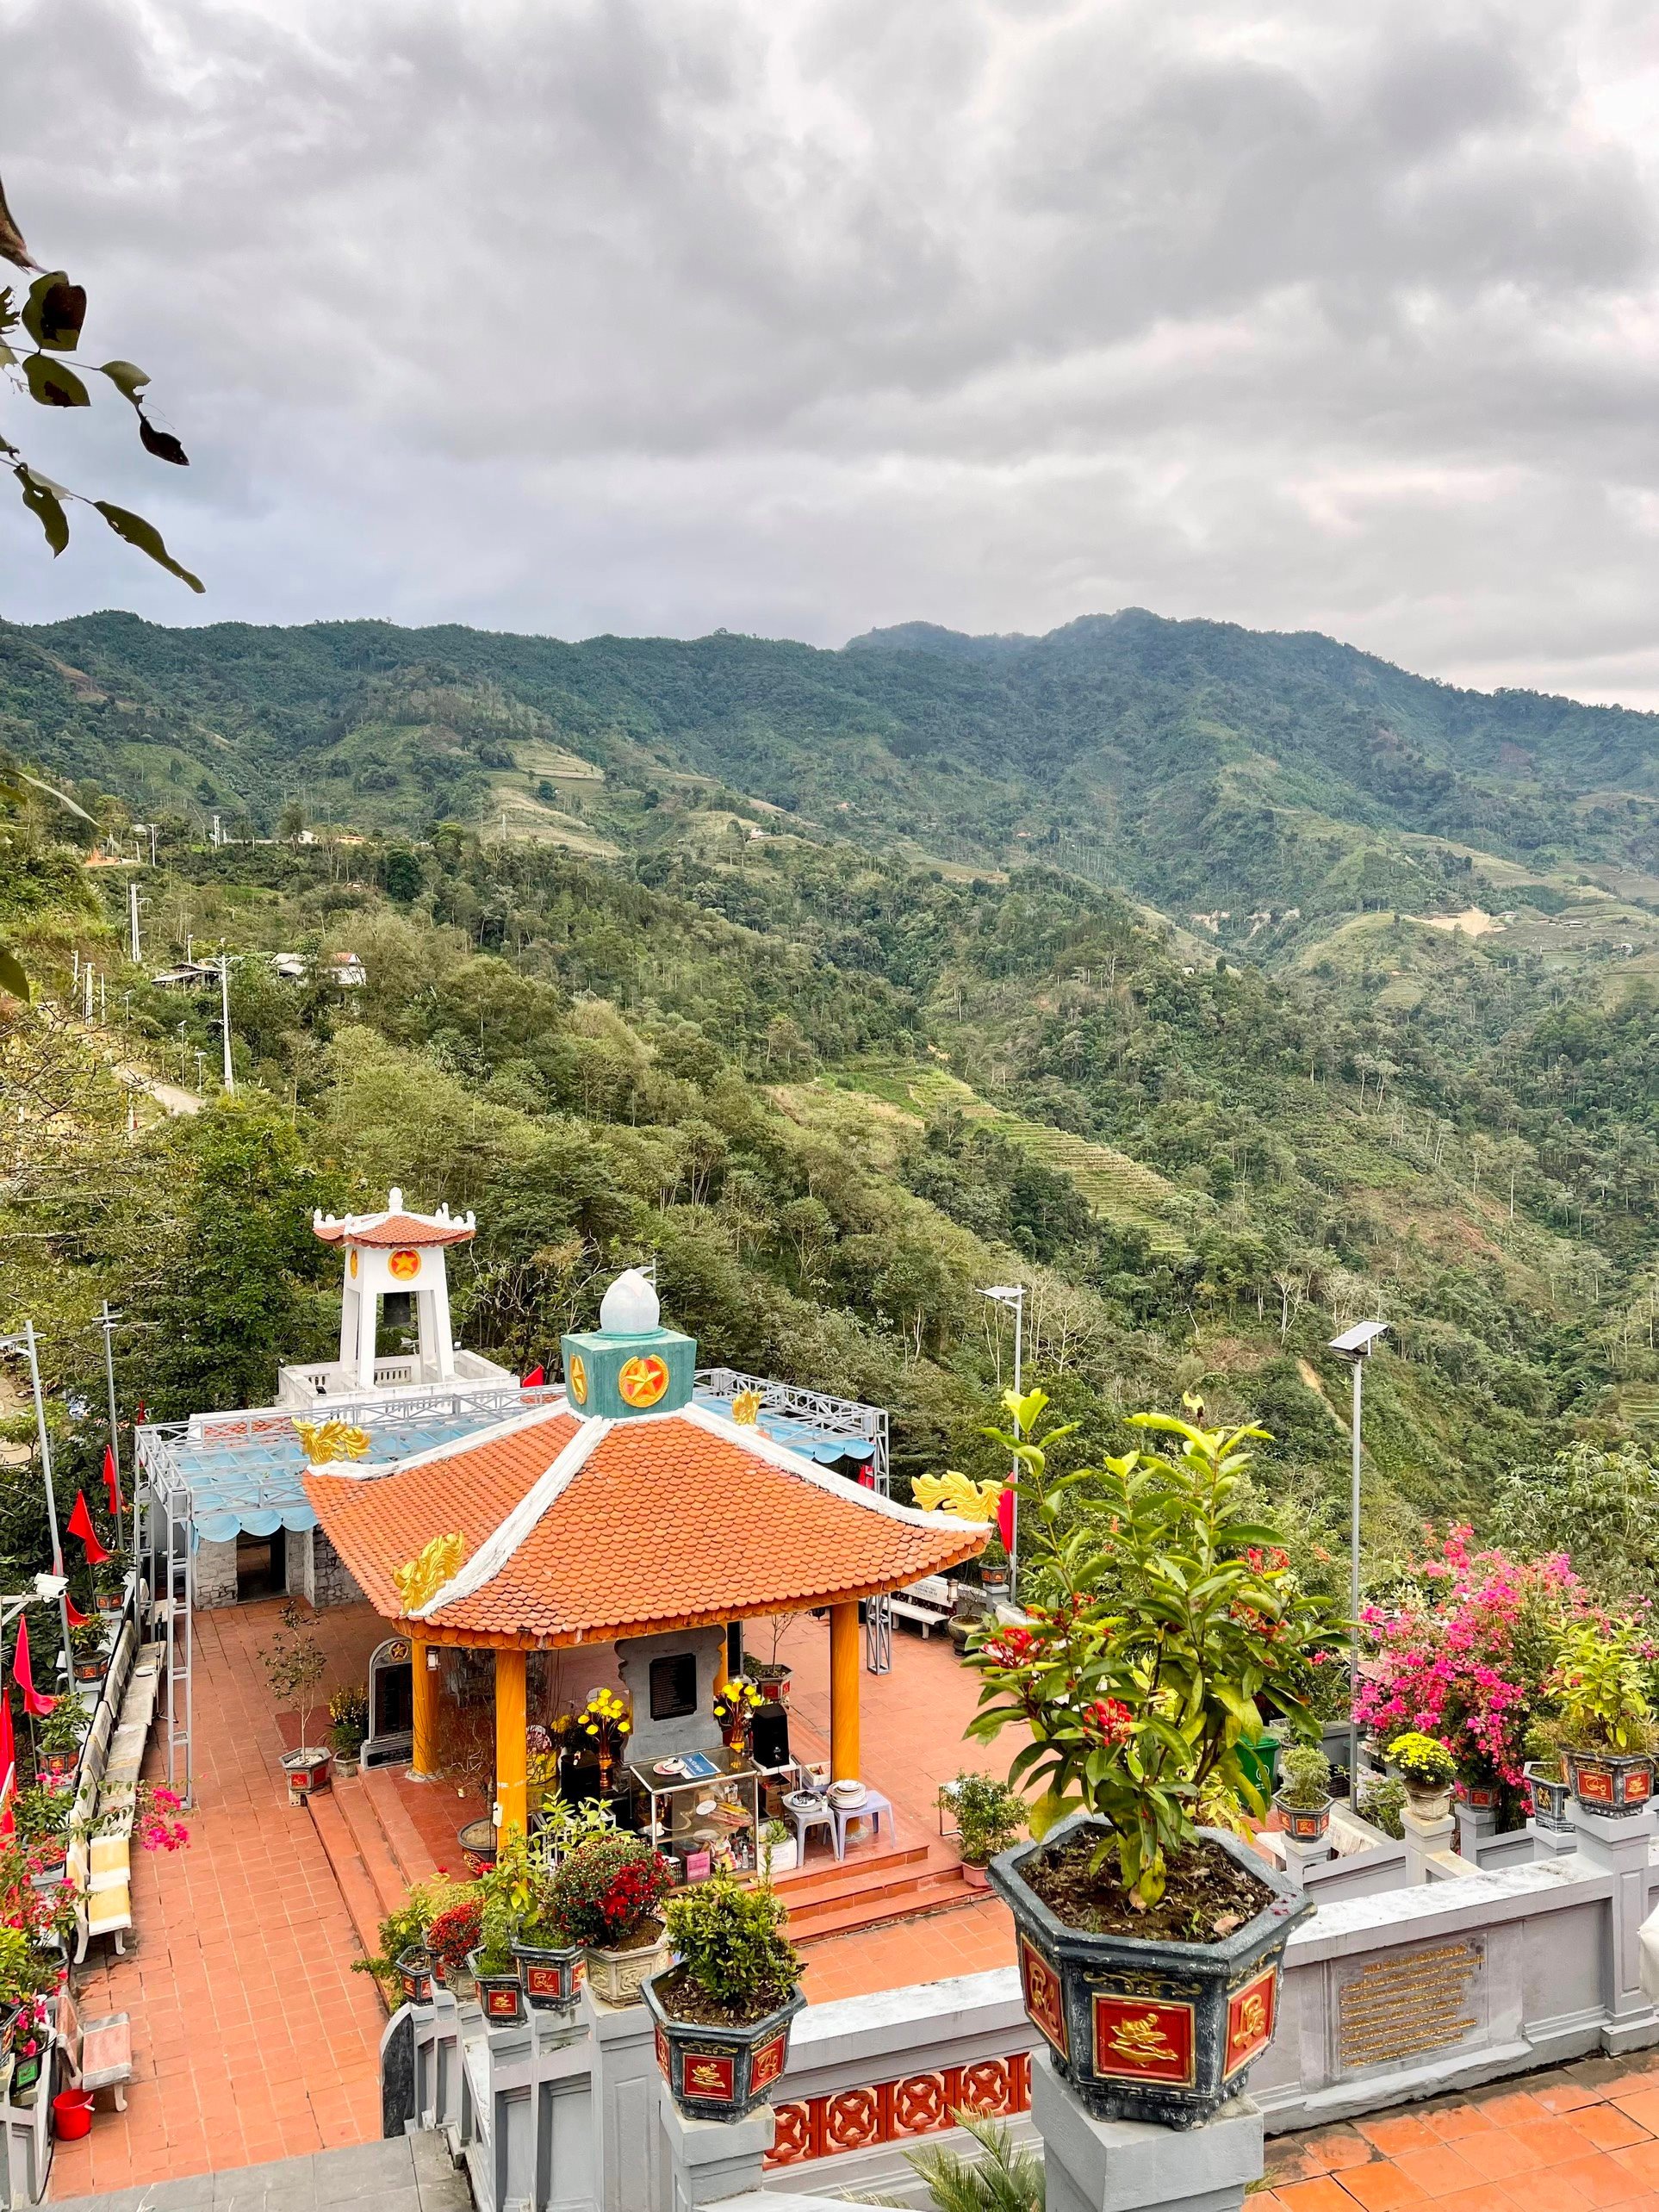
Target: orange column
{"x": 844, "y": 1658}
{"x": 423, "y": 1681}
{"x": 511, "y": 1756}
{"x": 721, "y": 1675}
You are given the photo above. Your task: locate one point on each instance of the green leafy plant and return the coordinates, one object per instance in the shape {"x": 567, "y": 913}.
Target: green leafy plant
{"x": 1601, "y": 1681}
{"x": 411, "y": 1925}
{"x": 294, "y": 1664}
{"x": 50, "y": 318}
{"x": 518, "y": 1902}
{"x": 608, "y": 1889}
{"x": 1423, "y": 1760}
{"x": 567, "y": 1824}
{"x": 730, "y": 1943}
{"x": 1304, "y": 1776}
{"x": 989, "y": 1814}
{"x": 348, "y": 1714}
{"x": 1383, "y": 1802}
{"x": 456, "y": 1929}
{"x": 1542, "y": 1744}
{"x": 63, "y": 1729}
{"x": 1003, "y": 2178}
{"x": 1168, "y": 1613}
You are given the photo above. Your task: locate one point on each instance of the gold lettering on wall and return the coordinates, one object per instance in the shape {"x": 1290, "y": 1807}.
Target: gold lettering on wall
{"x": 1420, "y": 2001}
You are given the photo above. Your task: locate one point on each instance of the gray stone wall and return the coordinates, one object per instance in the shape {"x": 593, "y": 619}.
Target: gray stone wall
{"x": 297, "y": 1548}
{"x": 215, "y": 1575}
{"x": 331, "y": 1582}
{"x": 693, "y": 1732}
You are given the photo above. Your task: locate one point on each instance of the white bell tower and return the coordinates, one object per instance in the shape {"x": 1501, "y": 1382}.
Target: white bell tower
{"x": 386, "y": 1253}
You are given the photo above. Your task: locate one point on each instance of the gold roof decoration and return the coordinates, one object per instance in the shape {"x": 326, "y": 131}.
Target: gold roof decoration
{"x": 959, "y": 1495}
{"x": 435, "y": 1564}
{"x": 330, "y": 1440}
{"x": 745, "y": 1408}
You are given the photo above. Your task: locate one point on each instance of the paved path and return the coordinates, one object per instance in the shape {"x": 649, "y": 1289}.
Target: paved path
{"x": 1583, "y": 2138}
{"x": 411, "y": 2174}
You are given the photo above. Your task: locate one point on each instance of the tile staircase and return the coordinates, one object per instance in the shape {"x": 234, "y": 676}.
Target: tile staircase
{"x": 378, "y": 1854}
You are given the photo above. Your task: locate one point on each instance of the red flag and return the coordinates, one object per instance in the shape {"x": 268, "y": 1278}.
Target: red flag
{"x": 111, "y": 1481}
{"x": 34, "y": 1704}
{"x": 77, "y": 1618}
{"x": 535, "y": 1380}
{"x": 80, "y": 1524}
{"x": 1004, "y": 1519}
{"x": 7, "y": 1766}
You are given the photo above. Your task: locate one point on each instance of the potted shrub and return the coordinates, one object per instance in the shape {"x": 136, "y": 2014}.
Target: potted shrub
{"x": 88, "y": 1650}
{"x": 1547, "y": 1778}
{"x": 771, "y": 1675}
{"x": 989, "y": 1816}
{"x": 994, "y": 1573}
{"x": 1149, "y": 1946}
{"x": 109, "y": 1582}
{"x": 348, "y": 1718}
{"x": 1606, "y": 1721}
{"x": 607, "y": 1895}
{"x": 295, "y": 1665}
{"x": 1427, "y": 1769}
{"x": 42, "y": 1821}
{"x": 723, "y": 2009}
{"x": 57, "y": 1739}
{"x": 1382, "y": 1801}
{"x": 1303, "y": 1797}
{"x": 455, "y": 1933}
{"x": 521, "y": 1919}
{"x": 781, "y": 1849}
{"x": 404, "y": 1962}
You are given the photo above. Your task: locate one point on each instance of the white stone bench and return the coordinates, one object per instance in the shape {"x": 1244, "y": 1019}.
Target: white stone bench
{"x": 929, "y": 1603}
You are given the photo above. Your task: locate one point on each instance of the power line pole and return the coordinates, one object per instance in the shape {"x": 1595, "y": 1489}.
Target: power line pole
{"x": 27, "y": 1341}
{"x": 107, "y": 1325}
{"x": 224, "y": 1002}
{"x": 132, "y": 922}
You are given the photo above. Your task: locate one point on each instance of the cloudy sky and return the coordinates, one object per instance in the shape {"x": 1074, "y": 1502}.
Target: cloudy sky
{"x": 798, "y": 316}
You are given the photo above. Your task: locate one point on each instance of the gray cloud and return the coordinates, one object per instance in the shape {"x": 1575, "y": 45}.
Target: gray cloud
{"x": 583, "y": 314}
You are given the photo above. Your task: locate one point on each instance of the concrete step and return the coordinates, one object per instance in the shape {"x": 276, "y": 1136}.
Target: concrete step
{"x": 363, "y": 1899}
{"x": 941, "y": 1892}
{"x": 408, "y": 1848}
{"x": 368, "y": 1841}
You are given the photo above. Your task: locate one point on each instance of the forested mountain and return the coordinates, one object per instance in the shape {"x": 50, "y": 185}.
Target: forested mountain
{"x": 1209, "y": 769}
{"x": 814, "y": 976}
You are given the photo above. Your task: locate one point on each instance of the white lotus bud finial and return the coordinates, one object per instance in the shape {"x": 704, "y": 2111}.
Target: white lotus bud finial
{"x": 631, "y": 1306}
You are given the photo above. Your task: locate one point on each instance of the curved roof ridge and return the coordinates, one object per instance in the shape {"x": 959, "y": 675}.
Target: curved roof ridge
{"x": 751, "y": 1438}
{"x": 374, "y": 1470}
{"x": 493, "y": 1554}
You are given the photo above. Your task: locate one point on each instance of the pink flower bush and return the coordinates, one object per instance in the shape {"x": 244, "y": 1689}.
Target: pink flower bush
{"x": 1467, "y": 1659}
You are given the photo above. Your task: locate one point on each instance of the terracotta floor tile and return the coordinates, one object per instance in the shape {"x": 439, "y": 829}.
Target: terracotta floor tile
{"x": 1467, "y": 2200}
{"x": 1339, "y": 2148}
{"x": 1493, "y": 2153}
{"x": 1641, "y": 2159}
{"x": 1437, "y": 2172}
{"x": 1510, "y": 2104}
{"x": 1322, "y": 2195}
{"x": 1393, "y": 2132}
{"x": 1384, "y": 2186}
{"x": 1548, "y": 2142}
{"x": 1641, "y": 2105}
{"x": 1456, "y": 2121}
{"x": 1607, "y": 2126}
{"x": 1598, "y": 2181}
{"x": 1566, "y": 2096}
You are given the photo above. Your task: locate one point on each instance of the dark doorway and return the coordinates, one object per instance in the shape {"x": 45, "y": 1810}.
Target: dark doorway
{"x": 261, "y": 1566}
{"x": 394, "y": 1713}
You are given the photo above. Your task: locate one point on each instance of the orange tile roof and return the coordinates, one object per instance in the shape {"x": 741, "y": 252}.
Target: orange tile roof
{"x": 395, "y": 1229}
{"x": 666, "y": 1524}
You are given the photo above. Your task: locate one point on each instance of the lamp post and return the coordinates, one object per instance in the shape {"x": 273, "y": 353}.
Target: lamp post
{"x": 107, "y": 1325}
{"x": 224, "y": 1003}
{"x": 1012, "y": 1295}
{"x": 27, "y": 1345}
{"x": 1355, "y": 1345}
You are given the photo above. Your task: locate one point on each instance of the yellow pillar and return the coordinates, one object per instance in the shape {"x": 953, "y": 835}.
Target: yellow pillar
{"x": 422, "y": 1680}
{"x": 510, "y": 1751}
{"x": 843, "y": 1693}
{"x": 721, "y": 1677}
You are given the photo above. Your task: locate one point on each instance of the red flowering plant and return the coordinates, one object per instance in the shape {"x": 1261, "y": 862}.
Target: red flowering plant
{"x": 1468, "y": 1654}
{"x": 36, "y": 1925}
{"x": 456, "y": 1930}
{"x": 607, "y": 1892}
{"x": 1169, "y": 1614}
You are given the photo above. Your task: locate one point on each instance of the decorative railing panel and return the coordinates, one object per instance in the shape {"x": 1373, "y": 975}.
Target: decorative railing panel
{"x": 889, "y": 2111}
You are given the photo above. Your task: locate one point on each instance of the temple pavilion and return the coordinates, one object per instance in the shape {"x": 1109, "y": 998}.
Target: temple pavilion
{"x": 616, "y": 1533}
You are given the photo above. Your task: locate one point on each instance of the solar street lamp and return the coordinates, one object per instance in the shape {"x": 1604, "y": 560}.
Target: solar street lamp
{"x": 1356, "y": 1345}
{"x": 1012, "y": 1295}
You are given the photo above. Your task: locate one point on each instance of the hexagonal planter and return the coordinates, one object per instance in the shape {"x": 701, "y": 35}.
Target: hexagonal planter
{"x": 1303, "y": 1824}
{"x": 1611, "y": 1782}
{"x": 414, "y": 1974}
{"x": 618, "y": 1976}
{"x": 1551, "y": 1798}
{"x": 1147, "y": 2029}
{"x": 551, "y": 1978}
{"x": 500, "y": 1996}
{"x": 720, "y": 2073}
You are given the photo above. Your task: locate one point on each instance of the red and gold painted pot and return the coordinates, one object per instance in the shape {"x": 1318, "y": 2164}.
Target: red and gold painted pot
{"x": 1303, "y": 1824}
{"x": 1144, "y": 2030}
{"x": 551, "y": 1979}
{"x": 500, "y": 1996}
{"x": 1611, "y": 1782}
{"x": 720, "y": 2073}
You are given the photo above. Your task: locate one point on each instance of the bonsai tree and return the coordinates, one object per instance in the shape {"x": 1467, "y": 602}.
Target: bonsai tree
{"x": 1600, "y": 1680}
{"x": 294, "y": 1664}
{"x": 731, "y": 1949}
{"x": 989, "y": 1815}
{"x": 1168, "y": 1613}
{"x": 609, "y": 1891}
{"x": 1304, "y": 1777}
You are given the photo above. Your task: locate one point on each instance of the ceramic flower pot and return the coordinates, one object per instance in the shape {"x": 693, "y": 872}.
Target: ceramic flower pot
{"x": 307, "y": 1771}
{"x": 551, "y": 1975}
{"x": 976, "y": 1877}
{"x": 1551, "y": 1796}
{"x": 1303, "y": 1824}
{"x": 617, "y": 1976}
{"x": 720, "y": 2073}
{"x": 414, "y": 1974}
{"x": 1427, "y": 1802}
{"x": 1611, "y": 1782}
{"x": 1479, "y": 1796}
{"x": 770, "y": 1678}
{"x": 1145, "y": 2029}
{"x": 501, "y": 1996}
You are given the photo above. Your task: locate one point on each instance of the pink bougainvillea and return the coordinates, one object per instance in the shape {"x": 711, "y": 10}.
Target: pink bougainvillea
{"x": 1467, "y": 1658}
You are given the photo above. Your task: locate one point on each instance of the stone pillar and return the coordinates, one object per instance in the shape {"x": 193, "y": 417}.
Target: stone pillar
{"x": 423, "y": 1685}
{"x": 843, "y": 1693}
{"x": 1551, "y": 1842}
{"x": 1125, "y": 2165}
{"x": 1424, "y": 1839}
{"x": 1619, "y": 1845}
{"x": 708, "y": 2159}
{"x": 1298, "y": 1857}
{"x": 511, "y": 1752}
{"x": 1474, "y": 1829}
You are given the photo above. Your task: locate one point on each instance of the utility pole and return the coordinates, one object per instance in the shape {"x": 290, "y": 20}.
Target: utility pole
{"x": 132, "y": 951}
{"x": 87, "y": 975}
{"x": 224, "y": 1004}
{"x": 26, "y": 1343}
{"x": 107, "y": 1325}
{"x": 1355, "y": 1345}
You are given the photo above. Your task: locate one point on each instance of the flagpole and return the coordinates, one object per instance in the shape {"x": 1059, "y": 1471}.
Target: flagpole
{"x": 51, "y": 1501}
{"x": 107, "y": 1325}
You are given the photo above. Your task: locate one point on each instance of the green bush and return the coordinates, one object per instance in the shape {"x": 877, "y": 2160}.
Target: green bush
{"x": 989, "y": 1814}
{"x": 608, "y": 1888}
{"x": 1304, "y": 1776}
{"x": 729, "y": 1941}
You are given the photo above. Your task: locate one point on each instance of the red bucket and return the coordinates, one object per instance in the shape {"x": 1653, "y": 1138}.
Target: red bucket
{"x": 72, "y": 2113}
